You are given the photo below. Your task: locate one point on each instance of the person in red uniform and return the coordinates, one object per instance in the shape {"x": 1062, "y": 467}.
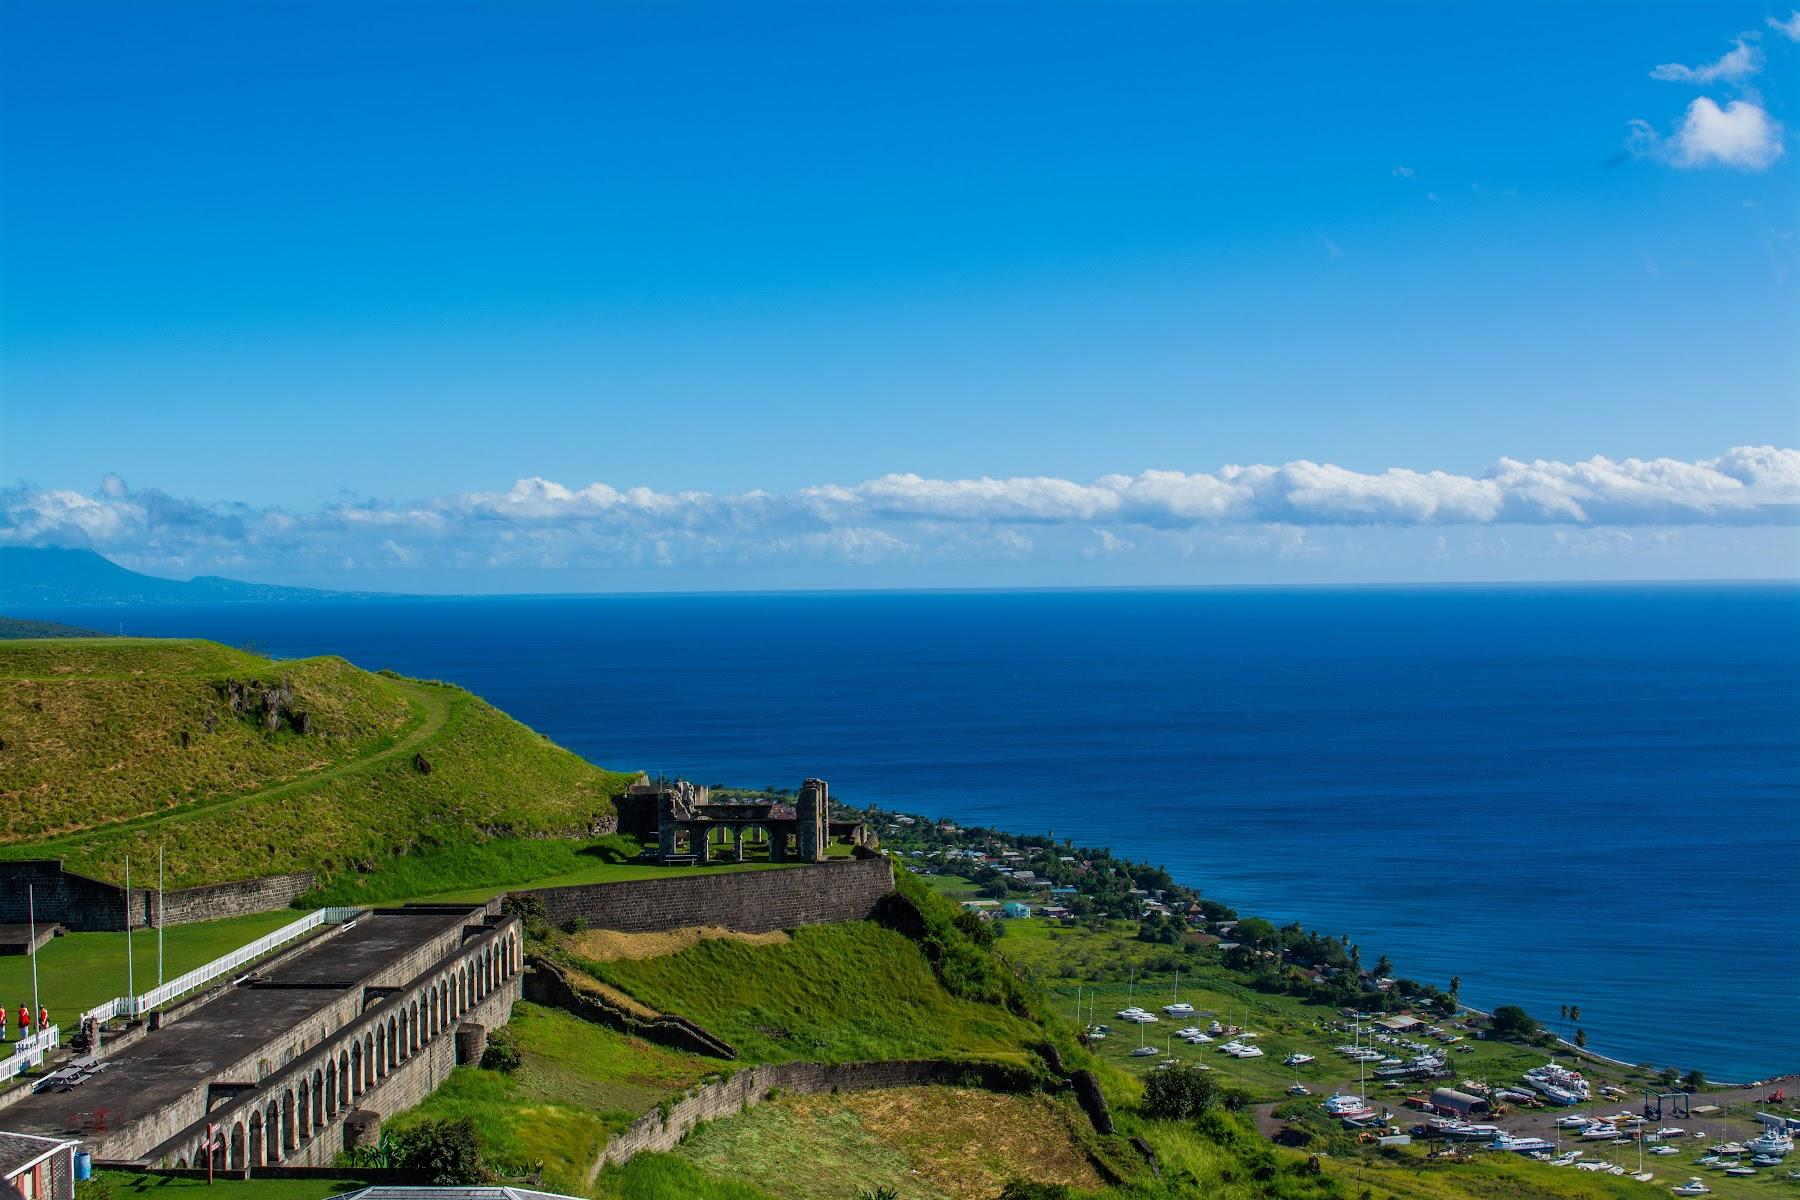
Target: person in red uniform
{"x": 43, "y": 1018}
{"x": 24, "y": 1022}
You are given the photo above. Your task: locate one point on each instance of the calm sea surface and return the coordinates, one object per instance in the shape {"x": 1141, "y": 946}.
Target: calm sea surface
{"x": 1563, "y": 795}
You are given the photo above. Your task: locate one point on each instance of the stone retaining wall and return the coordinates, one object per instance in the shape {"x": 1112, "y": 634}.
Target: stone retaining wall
{"x": 748, "y": 901}
{"x": 546, "y": 984}
{"x": 747, "y": 1088}
{"x": 87, "y": 905}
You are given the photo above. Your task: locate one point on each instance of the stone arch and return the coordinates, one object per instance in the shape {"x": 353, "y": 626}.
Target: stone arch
{"x": 317, "y": 1113}
{"x": 412, "y": 1026}
{"x": 238, "y": 1158}
{"x": 272, "y": 1133}
{"x": 289, "y": 1141}
{"x": 356, "y": 1068}
{"x": 331, "y": 1089}
{"x": 259, "y": 1140}
{"x": 303, "y": 1109}
{"x": 393, "y": 1043}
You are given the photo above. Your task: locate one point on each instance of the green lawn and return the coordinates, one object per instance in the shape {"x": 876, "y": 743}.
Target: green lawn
{"x": 837, "y": 992}
{"x": 79, "y": 970}
{"x": 126, "y": 1185}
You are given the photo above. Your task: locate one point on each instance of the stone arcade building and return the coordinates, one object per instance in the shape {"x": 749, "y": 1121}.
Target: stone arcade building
{"x": 689, "y": 825}
{"x": 304, "y": 1057}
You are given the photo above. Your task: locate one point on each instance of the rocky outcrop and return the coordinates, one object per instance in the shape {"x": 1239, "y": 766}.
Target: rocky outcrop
{"x": 268, "y": 706}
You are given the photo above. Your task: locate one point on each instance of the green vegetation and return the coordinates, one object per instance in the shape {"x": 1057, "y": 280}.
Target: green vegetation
{"x": 114, "y": 747}
{"x": 666, "y": 1177}
{"x": 576, "y": 1085}
{"x": 835, "y": 992}
{"x": 79, "y": 970}
{"x": 919, "y": 1143}
{"x": 21, "y": 627}
{"x": 130, "y": 1185}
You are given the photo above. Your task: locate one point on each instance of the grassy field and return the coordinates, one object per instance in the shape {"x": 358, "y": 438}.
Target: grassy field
{"x": 79, "y": 970}
{"x": 578, "y": 1084}
{"x": 835, "y": 992}
{"x": 108, "y": 754}
{"x": 925, "y": 1143}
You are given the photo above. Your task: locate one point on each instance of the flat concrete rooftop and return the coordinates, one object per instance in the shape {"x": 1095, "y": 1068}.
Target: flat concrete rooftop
{"x": 191, "y": 1052}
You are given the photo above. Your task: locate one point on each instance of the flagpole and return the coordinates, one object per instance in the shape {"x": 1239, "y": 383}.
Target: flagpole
{"x": 159, "y": 915}
{"x": 130, "y": 977}
{"x": 31, "y": 908}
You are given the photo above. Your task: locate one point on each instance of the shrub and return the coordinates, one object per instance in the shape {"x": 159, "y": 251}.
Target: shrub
{"x": 502, "y": 1053}
{"x": 1514, "y": 1023}
{"x": 1181, "y": 1094}
{"x": 442, "y": 1153}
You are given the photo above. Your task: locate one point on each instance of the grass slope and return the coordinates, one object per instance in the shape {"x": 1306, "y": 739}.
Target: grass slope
{"x": 835, "y": 992}
{"x": 107, "y": 753}
{"x": 924, "y": 1143}
{"x": 577, "y": 1085}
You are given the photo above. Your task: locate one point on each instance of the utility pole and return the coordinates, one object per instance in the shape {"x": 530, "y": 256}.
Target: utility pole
{"x": 159, "y": 915}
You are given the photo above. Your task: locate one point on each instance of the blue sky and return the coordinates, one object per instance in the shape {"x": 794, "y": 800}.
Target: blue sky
{"x": 271, "y": 271}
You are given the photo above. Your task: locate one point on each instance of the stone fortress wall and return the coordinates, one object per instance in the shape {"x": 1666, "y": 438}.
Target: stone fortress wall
{"x": 82, "y": 904}
{"x": 758, "y": 901}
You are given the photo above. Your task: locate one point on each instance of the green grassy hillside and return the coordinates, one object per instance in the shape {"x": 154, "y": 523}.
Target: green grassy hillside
{"x": 114, "y": 746}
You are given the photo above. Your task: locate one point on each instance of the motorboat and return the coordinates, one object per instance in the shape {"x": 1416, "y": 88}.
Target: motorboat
{"x": 1740, "y": 1171}
{"x": 1521, "y": 1145}
{"x": 1643, "y": 1176}
{"x": 1670, "y": 1131}
{"x": 1188, "y": 1031}
{"x": 1142, "y": 1051}
{"x": 1196, "y": 1039}
{"x": 1296, "y": 1059}
{"x": 1774, "y": 1142}
{"x": 1298, "y": 1089}
{"x": 1559, "y": 1085}
{"x": 1215, "y": 1029}
{"x": 1693, "y": 1187}
{"x": 1664, "y": 1150}
{"x": 1766, "y": 1160}
{"x": 1574, "y": 1121}
{"x": 1600, "y": 1131}
{"x": 1180, "y": 1008}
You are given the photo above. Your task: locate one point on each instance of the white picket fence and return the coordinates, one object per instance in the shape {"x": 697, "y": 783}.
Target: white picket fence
{"x": 29, "y": 1052}
{"x": 134, "y": 1006}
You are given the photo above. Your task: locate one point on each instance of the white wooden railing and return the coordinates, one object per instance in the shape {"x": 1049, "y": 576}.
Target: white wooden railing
{"x": 29, "y": 1052}
{"x": 136, "y": 1006}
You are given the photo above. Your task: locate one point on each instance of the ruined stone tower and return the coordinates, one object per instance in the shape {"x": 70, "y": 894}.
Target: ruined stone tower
{"x": 813, "y": 828}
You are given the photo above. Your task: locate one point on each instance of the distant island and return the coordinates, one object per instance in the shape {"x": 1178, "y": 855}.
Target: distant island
{"x": 20, "y": 627}
{"x": 40, "y": 575}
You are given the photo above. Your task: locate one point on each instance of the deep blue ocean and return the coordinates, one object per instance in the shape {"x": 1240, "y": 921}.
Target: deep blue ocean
{"x": 1563, "y": 795}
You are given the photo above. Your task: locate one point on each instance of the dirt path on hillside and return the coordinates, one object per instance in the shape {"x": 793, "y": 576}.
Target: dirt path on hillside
{"x": 431, "y": 709}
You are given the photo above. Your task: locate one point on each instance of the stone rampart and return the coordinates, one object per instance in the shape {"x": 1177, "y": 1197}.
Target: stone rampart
{"x": 747, "y": 901}
{"x": 658, "y": 1130}
{"x": 83, "y": 904}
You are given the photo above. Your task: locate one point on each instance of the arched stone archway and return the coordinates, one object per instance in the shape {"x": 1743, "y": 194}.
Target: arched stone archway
{"x": 331, "y": 1088}
{"x": 289, "y": 1140}
{"x": 303, "y": 1110}
{"x": 238, "y": 1159}
{"x": 317, "y": 1112}
{"x": 259, "y": 1141}
{"x": 356, "y": 1069}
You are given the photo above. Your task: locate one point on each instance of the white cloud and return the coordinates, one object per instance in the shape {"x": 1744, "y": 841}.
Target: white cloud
{"x": 1404, "y": 173}
{"x": 1154, "y": 515}
{"x": 1740, "y": 62}
{"x": 1741, "y": 135}
{"x": 1790, "y": 28}
{"x": 1332, "y": 249}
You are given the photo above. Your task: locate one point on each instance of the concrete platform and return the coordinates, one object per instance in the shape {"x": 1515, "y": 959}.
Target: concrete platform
{"x": 16, "y": 939}
{"x": 206, "y": 1043}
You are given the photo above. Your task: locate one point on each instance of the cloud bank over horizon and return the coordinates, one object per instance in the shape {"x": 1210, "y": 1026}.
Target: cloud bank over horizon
{"x": 543, "y": 526}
